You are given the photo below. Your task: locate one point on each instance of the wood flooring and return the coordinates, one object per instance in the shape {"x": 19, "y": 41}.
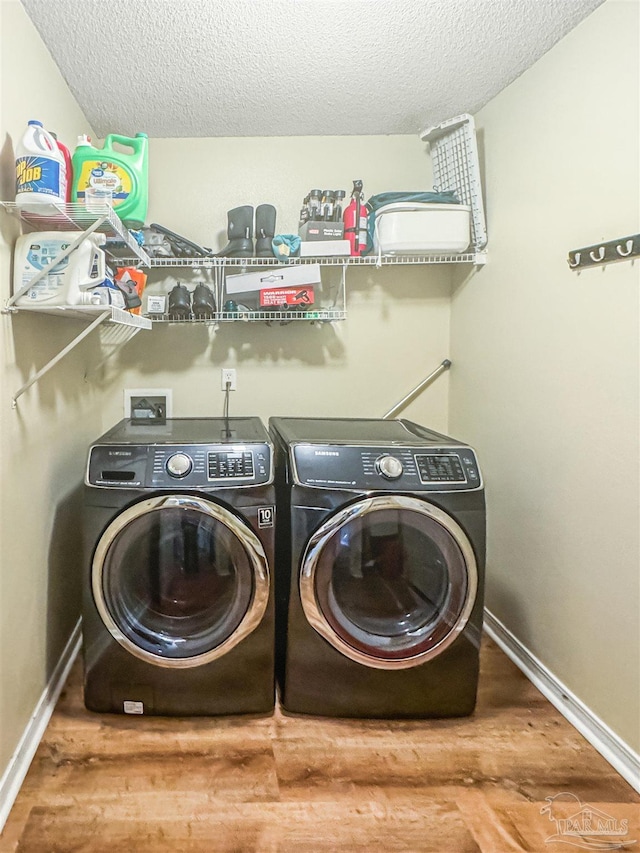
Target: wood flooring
{"x": 285, "y": 784}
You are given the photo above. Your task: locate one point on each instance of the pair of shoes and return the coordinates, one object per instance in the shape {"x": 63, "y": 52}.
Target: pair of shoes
{"x": 240, "y": 232}
{"x": 182, "y": 302}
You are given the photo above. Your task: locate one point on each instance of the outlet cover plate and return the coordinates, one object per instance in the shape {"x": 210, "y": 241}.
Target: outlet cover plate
{"x": 154, "y": 395}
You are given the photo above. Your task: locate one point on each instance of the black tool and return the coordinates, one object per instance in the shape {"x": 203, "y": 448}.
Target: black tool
{"x": 181, "y": 246}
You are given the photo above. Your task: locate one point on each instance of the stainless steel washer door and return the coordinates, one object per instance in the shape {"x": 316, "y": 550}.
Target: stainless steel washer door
{"x": 179, "y": 581}
{"x": 389, "y": 581}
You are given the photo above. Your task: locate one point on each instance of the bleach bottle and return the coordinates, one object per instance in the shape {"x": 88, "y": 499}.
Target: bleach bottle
{"x": 40, "y": 167}
{"x": 124, "y": 175}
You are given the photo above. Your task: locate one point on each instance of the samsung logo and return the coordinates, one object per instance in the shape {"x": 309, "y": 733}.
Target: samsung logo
{"x": 327, "y": 453}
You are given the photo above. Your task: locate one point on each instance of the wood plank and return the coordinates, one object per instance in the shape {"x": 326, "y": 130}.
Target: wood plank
{"x": 286, "y": 784}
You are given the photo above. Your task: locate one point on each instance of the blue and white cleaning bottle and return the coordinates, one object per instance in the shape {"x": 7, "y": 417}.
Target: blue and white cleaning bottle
{"x": 40, "y": 168}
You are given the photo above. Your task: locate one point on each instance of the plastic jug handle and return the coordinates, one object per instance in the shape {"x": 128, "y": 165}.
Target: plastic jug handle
{"x": 42, "y": 140}
{"x": 121, "y": 140}
{"x": 97, "y": 260}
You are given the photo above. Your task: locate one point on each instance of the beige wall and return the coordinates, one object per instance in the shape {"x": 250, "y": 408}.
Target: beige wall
{"x": 546, "y": 377}
{"x": 398, "y": 318}
{"x": 545, "y": 362}
{"x": 44, "y": 440}
{"x": 397, "y": 332}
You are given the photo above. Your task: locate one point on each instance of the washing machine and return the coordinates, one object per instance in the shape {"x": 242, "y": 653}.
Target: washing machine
{"x": 178, "y": 605}
{"x": 380, "y": 550}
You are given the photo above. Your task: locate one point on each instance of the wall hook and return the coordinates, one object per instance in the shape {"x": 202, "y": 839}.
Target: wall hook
{"x": 624, "y": 248}
{"x": 628, "y": 248}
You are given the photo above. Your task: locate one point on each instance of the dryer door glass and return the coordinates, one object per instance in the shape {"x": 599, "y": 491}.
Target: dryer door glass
{"x": 390, "y": 581}
{"x": 179, "y": 580}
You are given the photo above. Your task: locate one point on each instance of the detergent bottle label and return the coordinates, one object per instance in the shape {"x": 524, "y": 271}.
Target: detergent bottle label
{"x": 104, "y": 175}
{"x": 39, "y": 255}
{"x": 36, "y": 174}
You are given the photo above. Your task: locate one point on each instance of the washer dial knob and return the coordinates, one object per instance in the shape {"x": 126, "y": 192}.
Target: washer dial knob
{"x": 179, "y": 465}
{"x": 389, "y": 467}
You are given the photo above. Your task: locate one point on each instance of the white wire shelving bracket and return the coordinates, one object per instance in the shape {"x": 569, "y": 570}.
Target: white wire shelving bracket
{"x": 321, "y": 315}
{"x": 74, "y": 217}
{"x": 97, "y": 315}
{"x": 456, "y": 166}
{"x": 70, "y": 217}
{"x": 313, "y": 314}
{"x": 478, "y": 258}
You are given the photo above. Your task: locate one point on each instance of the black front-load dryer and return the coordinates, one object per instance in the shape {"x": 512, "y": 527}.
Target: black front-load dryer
{"x": 178, "y": 610}
{"x": 379, "y": 569}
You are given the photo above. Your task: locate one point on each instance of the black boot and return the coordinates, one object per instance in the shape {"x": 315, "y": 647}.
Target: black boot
{"x": 265, "y": 230}
{"x": 239, "y": 233}
{"x": 203, "y": 303}
{"x": 179, "y": 303}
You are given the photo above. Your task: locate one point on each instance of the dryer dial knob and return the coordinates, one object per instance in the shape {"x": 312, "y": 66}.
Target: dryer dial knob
{"x": 389, "y": 467}
{"x": 179, "y": 465}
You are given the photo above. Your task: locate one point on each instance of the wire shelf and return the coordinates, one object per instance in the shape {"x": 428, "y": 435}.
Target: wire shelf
{"x": 314, "y": 316}
{"x": 456, "y": 166}
{"x": 74, "y": 216}
{"x": 324, "y": 261}
{"x": 88, "y": 313}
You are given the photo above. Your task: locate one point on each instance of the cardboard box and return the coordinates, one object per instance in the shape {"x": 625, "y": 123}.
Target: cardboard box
{"x": 321, "y": 231}
{"x": 325, "y": 249}
{"x": 287, "y": 296}
{"x": 274, "y": 277}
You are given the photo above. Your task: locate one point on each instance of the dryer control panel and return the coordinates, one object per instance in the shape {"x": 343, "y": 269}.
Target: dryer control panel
{"x": 399, "y": 468}
{"x": 191, "y": 466}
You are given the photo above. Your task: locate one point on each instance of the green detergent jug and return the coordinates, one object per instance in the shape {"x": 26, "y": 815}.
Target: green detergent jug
{"x": 107, "y": 170}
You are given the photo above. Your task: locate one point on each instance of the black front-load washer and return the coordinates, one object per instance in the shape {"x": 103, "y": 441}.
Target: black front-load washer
{"x": 379, "y": 569}
{"x": 178, "y": 612}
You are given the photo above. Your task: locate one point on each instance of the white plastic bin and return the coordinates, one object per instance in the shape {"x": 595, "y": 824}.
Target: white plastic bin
{"x": 419, "y": 228}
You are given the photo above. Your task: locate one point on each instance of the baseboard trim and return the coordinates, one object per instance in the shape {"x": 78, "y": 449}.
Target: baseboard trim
{"x": 610, "y": 746}
{"x": 14, "y": 775}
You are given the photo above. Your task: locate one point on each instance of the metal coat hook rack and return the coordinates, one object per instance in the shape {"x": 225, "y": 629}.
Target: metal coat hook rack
{"x": 623, "y": 249}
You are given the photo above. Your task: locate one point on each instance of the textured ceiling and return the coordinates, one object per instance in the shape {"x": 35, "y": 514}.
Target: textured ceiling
{"x": 184, "y": 68}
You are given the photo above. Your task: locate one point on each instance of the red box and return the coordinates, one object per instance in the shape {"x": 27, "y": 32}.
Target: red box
{"x": 287, "y": 296}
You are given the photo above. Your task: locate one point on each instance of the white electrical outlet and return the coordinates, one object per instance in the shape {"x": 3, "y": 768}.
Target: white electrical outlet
{"x": 228, "y": 376}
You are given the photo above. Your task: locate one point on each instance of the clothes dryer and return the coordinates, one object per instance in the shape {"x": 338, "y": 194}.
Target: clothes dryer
{"x": 380, "y": 551}
{"x": 178, "y": 612}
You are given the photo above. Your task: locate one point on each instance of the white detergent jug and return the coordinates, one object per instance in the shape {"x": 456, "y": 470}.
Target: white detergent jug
{"x": 70, "y": 281}
{"x": 40, "y": 169}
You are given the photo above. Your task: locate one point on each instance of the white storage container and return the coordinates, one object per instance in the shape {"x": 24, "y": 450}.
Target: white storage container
{"x": 293, "y": 276}
{"x": 70, "y": 281}
{"x": 418, "y": 228}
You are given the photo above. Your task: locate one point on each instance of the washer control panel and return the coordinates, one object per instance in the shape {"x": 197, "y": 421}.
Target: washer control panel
{"x": 179, "y": 466}
{"x": 231, "y": 464}
{"x": 398, "y": 468}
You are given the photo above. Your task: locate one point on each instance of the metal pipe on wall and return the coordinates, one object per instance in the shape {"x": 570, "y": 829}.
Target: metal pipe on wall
{"x": 446, "y": 364}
